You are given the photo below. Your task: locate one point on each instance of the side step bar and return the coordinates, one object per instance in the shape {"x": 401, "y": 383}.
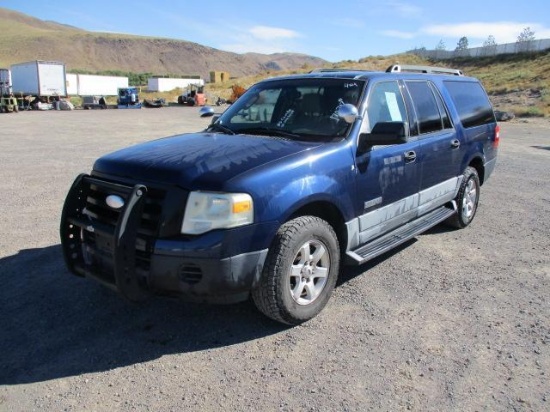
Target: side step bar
{"x": 400, "y": 235}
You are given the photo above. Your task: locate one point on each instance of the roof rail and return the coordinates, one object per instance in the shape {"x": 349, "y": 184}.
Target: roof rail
{"x": 335, "y": 70}
{"x": 398, "y": 68}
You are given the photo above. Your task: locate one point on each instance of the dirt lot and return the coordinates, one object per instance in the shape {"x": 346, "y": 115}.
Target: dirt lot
{"x": 454, "y": 320}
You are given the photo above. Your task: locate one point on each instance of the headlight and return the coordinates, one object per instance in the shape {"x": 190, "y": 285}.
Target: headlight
{"x": 207, "y": 211}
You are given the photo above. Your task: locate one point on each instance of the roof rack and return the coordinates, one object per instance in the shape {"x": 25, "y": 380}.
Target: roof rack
{"x": 335, "y": 70}
{"x": 398, "y": 68}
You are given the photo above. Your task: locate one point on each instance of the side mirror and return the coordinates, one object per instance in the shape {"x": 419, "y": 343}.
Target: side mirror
{"x": 384, "y": 133}
{"x": 348, "y": 112}
{"x": 206, "y": 111}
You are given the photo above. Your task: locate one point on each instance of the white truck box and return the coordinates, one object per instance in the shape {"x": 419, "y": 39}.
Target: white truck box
{"x": 72, "y": 84}
{"x": 162, "y": 84}
{"x": 39, "y": 78}
{"x": 94, "y": 85}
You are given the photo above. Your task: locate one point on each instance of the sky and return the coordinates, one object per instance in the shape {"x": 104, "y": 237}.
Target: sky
{"x": 333, "y": 30}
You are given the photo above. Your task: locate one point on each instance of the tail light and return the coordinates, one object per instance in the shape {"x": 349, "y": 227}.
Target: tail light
{"x": 496, "y": 140}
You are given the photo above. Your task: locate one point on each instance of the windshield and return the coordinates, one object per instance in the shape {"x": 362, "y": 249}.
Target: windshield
{"x": 298, "y": 109}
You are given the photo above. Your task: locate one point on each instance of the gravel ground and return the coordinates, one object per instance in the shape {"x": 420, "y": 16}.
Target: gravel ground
{"x": 453, "y": 320}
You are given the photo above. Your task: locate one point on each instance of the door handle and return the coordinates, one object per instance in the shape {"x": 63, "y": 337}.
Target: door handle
{"x": 410, "y": 156}
{"x": 455, "y": 143}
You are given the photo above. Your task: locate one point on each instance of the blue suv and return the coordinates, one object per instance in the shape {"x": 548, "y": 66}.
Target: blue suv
{"x": 300, "y": 175}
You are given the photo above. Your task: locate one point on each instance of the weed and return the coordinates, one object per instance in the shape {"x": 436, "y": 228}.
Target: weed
{"x": 530, "y": 111}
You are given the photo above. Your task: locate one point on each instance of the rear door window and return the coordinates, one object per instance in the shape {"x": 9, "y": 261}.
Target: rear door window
{"x": 430, "y": 111}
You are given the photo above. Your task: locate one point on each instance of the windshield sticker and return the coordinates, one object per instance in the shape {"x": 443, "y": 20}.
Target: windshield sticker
{"x": 288, "y": 114}
{"x": 393, "y": 107}
{"x": 350, "y": 85}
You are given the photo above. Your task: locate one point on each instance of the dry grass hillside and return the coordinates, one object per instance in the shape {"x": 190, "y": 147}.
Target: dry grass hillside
{"x": 516, "y": 83}
{"x": 519, "y": 83}
{"x": 25, "y": 38}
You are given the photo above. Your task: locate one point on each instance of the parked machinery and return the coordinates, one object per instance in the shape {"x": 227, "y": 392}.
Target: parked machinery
{"x": 8, "y": 104}
{"x": 94, "y": 102}
{"x": 194, "y": 96}
{"x": 128, "y": 98}
{"x": 5, "y": 82}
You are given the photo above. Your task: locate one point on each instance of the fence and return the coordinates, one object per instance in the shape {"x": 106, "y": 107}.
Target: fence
{"x": 493, "y": 50}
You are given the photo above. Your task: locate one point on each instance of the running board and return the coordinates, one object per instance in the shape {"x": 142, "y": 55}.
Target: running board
{"x": 400, "y": 235}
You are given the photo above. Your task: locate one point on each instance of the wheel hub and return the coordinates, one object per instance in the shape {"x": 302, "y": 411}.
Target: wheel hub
{"x": 469, "y": 200}
{"x": 308, "y": 274}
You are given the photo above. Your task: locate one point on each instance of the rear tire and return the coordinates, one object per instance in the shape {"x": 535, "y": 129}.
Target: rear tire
{"x": 467, "y": 200}
{"x": 300, "y": 271}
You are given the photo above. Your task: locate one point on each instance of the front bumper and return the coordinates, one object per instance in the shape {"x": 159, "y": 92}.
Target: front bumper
{"x": 226, "y": 280}
{"x": 113, "y": 248}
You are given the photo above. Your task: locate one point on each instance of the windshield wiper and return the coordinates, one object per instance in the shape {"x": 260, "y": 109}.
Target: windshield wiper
{"x": 220, "y": 128}
{"x": 270, "y": 132}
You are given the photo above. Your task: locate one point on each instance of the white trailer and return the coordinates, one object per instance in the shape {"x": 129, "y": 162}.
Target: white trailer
{"x": 162, "y": 84}
{"x": 39, "y": 78}
{"x": 71, "y": 80}
{"x": 5, "y": 82}
{"x": 94, "y": 85}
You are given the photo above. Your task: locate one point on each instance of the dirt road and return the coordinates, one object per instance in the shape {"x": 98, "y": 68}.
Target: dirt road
{"x": 454, "y": 320}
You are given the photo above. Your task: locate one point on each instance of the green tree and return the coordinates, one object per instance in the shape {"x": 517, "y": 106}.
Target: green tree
{"x": 489, "y": 46}
{"x": 441, "y": 45}
{"x": 490, "y": 42}
{"x": 525, "y": 40}
{"x": 526, "y": 35}
{"x": 462, "y": 44}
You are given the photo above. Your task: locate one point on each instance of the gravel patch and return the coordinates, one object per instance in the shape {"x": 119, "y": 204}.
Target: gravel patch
{"x": 453, "y": 320}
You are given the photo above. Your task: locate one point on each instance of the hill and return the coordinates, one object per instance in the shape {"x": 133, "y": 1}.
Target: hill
{"x": 25, "y": 38}
{"x": 519, "y": 83}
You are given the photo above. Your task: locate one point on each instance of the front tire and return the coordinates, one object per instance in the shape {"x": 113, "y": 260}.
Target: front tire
{"x": 300, "y": 271}
{"x": 467, "y": 199}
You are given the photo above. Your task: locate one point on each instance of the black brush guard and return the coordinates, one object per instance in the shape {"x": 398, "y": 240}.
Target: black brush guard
{"x": 118, "y": 240}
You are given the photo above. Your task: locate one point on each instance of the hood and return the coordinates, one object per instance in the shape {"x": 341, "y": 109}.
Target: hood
{"x": 197, "y": 160}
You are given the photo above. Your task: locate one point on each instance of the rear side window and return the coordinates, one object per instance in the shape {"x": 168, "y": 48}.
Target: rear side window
{"x": 430, "y": 110}
{"x": 471, "y": 102}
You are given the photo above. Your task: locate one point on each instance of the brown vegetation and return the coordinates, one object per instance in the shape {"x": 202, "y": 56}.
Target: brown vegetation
{"x": 25, "y": 38}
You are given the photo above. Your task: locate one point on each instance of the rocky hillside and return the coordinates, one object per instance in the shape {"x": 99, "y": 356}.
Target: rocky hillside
{"x": 25, "y": 38}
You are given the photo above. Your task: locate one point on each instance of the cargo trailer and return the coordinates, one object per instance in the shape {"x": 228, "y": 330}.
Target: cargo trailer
{"x": 94, "y": 85}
